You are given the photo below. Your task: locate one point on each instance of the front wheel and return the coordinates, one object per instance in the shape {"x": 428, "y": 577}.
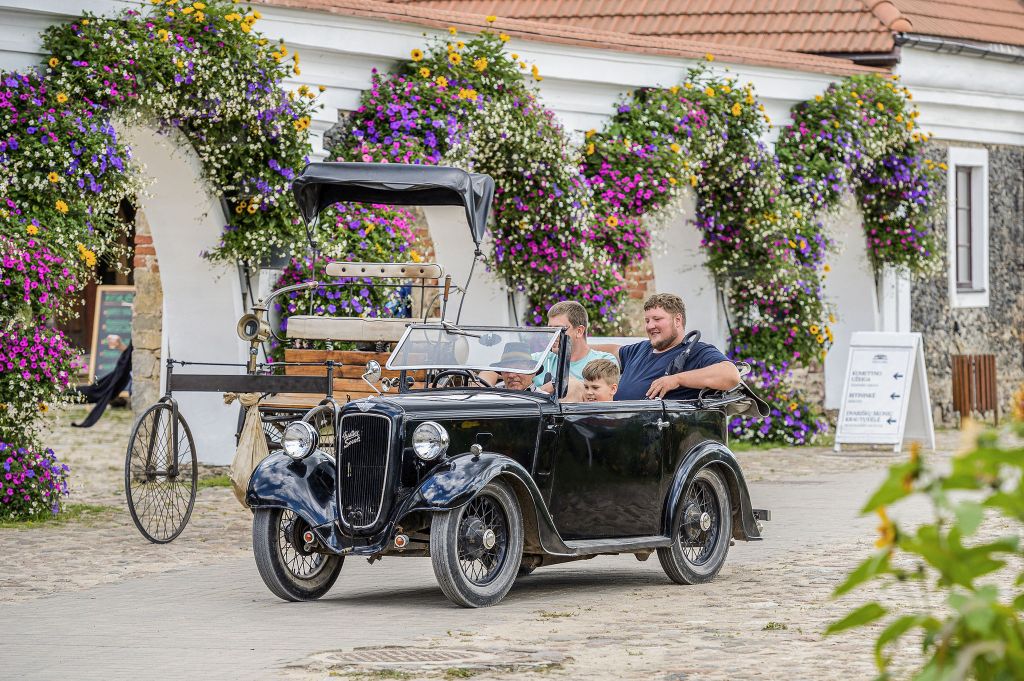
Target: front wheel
{"x": 476, "y": 549}
{"x": 702, "y": 532}
{"x": 289, "y": 571}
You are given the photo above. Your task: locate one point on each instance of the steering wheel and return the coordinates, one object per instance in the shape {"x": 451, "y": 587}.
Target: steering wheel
{"x": 459, "y": 372}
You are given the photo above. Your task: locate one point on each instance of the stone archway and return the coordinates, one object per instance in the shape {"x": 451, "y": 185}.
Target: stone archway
{"x": 189, "y": 303}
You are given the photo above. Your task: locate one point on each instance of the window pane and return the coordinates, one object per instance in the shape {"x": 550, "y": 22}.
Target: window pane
{"x": 964, "y": 226}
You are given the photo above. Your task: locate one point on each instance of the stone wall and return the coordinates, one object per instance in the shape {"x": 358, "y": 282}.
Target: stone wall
{"x": 147, "y": 319}
{"x": 997, "y": 329}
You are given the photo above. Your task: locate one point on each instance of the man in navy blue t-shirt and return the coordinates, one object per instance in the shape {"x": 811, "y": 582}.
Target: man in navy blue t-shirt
{"x": 644, "y": 363}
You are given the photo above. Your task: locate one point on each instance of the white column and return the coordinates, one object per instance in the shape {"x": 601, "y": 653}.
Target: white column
{"x": 202, "y": 300}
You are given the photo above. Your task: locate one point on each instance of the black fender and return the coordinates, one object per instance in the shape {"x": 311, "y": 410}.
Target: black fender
{"x": 718, "y": 455}
{"x": 306, "y": 487}
{"x": 455, "y": 482}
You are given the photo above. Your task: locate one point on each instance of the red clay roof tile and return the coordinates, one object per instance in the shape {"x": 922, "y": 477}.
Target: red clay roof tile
{"x": 470, "y": 15}
{"x": 813, "y": 26}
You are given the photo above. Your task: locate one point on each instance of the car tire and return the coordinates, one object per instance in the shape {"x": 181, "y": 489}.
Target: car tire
{"x": 469, "y": 572}
{"x": 702, "y": 531}
{"x": 288, "y": 571}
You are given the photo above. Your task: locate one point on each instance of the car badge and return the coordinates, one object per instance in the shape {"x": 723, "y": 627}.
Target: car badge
{"x": 364, "y": 405}
{"x": 350, "y": 437}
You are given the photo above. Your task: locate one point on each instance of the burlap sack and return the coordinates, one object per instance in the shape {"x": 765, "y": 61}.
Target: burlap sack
{"x": 252, "y": 445}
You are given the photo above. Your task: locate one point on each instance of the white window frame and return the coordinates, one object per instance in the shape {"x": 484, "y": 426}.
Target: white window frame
{"x": 977, "y": 161}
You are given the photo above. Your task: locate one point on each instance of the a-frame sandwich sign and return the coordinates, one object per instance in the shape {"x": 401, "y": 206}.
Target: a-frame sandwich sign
{"x": 885, "y": 394}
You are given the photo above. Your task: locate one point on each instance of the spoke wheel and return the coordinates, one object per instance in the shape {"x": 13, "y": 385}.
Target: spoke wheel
{"x": 160, "y": 474}
{"x": 290, "y": 571}
{"x": 476, "y": 549}
{"x": 702, "y": 532}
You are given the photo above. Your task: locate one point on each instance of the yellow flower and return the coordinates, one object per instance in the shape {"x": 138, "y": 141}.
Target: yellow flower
{"x": 296, "y": 70}
{"x": 709, "y": 91}
{"x": 673, "y": 181}
{"x": 416, "y": 257}
{"x": 202, "y": 5}
{"x": 187, "y": 10}
{"x": 674, "y": 89}
{"x": 814, "y": 329}
{"x": 455, "y": 58}
{"x": 53, "y": 62}
{"x": 693, "y": 180}
{"x": 43, "y": 407}
{"x": 480, "y": 64}
{"x": 688, "y": 86}
{"x": 944, "y": 166}
{"x": 490, "y": 18}
{"x": 245, "y": 27}
{"x": 180, "y": 64}
{"x": 441, "y": 81}
{"x": 417, "y": 55}
{"x": 709, "y": 56}
{"x": 612, "y": 221}
{"x": 726, "y": 89}
{"x": 61, "y": 206}
{"x": 821, "y": 339}
{"x": 827, "y": 267}
{"x": 503, "y": 37}
{"x": 514, "y": 56}
{"x": 899, "y": 118}
{"x": 675, "y": 147}
{"x": 793, "y": 406}
{"x": 466, "y": 93}
{"x": 32, "y": 230}
{"x": 256, "y": 14}
{"x": 460, "y": 45}
{"x": 590, "y": 149}
{"x": 424, "y": 72}
{"x": 240, "y": 207}
{"x": 61, "y": 97}
{"x": 832, "y": 318}
{"x": 321, "y": 87}
{"x": 835, "y": 124}
{"x": 522, "y": 65}
{"x": 536, "y": 73}
{"x": 737, "y": 109}
{"x": 53, "y": 177}
{"x": 252, "y": 208}
{"x": 886, "y": 530}
{"x": 452, "y": 30}
{"x": 818, "y": 98}
{"x": 881, "y": 107}
{"x": 85, "y": 22}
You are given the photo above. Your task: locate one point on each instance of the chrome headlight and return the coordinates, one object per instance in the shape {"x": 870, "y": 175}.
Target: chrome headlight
{"x": 299, "y": 439}
{"x": 429, "y": 440}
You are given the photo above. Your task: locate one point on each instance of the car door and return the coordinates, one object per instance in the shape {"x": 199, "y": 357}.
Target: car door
{"x": 607, "y": 469}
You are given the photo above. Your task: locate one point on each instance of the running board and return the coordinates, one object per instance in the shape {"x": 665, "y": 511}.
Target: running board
{"x": 586, "y": 547}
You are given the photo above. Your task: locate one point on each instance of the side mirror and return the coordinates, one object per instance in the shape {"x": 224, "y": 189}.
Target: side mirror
{"x": 373, "y": 374}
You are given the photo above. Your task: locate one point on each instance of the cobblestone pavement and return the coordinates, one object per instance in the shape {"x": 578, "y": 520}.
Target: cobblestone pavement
{"x": 611, "y": 617}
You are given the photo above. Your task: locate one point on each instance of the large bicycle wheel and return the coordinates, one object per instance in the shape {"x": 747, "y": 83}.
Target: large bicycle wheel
{"x": 160, "y": 474}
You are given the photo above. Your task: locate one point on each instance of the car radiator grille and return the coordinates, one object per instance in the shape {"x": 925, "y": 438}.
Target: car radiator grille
{"x": 362, "y": 467}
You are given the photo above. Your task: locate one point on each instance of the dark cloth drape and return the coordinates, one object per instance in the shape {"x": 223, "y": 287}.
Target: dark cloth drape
{"x": 107, "y": 388}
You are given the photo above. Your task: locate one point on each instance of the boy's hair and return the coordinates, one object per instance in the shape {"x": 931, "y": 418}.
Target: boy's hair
{"x": 601, "y": 369}
{"x": 669, "y": 302}
{"x": 573, "y": 311}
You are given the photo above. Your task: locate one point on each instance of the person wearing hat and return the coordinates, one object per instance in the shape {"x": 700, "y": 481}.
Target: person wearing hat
{"x": 516, "y": 355}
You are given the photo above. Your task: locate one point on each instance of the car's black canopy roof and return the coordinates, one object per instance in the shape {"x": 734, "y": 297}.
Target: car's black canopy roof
{"x": 323, "y": 184}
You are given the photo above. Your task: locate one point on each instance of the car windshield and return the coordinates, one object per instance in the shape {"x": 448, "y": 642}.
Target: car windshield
{"x": 433, "y": 346}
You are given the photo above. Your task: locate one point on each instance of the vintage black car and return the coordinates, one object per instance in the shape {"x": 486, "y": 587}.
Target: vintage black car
{"x": 489, "y": 482}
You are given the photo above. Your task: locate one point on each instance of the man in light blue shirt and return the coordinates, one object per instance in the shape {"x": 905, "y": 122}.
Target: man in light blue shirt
{"x": 573, "y": 317}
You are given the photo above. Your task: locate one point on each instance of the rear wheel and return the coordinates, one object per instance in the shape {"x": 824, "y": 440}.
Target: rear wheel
{"x": 702, "y": 532}
{"x": 476, "y": 549}
{"x": 289, "y": 571}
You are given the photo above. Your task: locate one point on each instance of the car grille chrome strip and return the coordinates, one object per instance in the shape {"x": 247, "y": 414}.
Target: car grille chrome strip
{"x": 364, "y": 457}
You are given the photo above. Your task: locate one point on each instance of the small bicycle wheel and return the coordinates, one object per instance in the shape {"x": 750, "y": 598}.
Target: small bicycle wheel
{"x": 160, "y": 474}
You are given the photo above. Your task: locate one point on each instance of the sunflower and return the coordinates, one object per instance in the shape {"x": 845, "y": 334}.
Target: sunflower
{"x": 53, "y": 62}
{"x": 612, "y": 221}
{"x": 424, "y": 72}
{"x": 455, "y": 58}
{"x": 417, "y": 55}
{"x": 61, "y": 98}
{"x": 441, "y": 81}
{"x": 61, "y": 206}
{"x": 53, "y": 177}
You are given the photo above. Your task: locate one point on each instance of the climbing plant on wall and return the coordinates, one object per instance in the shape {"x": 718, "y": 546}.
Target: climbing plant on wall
{"x": 197, "y": 68}
{"x": 761, "y": 215}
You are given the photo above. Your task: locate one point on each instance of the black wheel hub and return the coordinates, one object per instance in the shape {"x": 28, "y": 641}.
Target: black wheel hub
{"x": 699, "y": 526}
{"x": 477, "y": 537}
{"x": 293, "y": 533}
{"x": 483, "y": 539}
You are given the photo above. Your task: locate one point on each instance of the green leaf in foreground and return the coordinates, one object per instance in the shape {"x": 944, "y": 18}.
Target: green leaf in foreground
{"x": 859, "y": 617}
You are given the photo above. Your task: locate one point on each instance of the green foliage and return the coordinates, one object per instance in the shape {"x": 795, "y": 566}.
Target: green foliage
{"x": 980, "y": 634}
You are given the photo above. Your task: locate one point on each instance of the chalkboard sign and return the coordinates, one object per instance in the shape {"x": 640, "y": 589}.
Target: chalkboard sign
{"x": 112, "y": 316}
{"x": 885, "y": 397}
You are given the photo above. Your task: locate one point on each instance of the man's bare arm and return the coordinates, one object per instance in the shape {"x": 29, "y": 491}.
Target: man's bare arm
{"x": 721, "y": 376}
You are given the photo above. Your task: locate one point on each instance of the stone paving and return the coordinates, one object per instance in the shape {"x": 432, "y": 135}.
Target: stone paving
{"x": 608, "y": 618}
